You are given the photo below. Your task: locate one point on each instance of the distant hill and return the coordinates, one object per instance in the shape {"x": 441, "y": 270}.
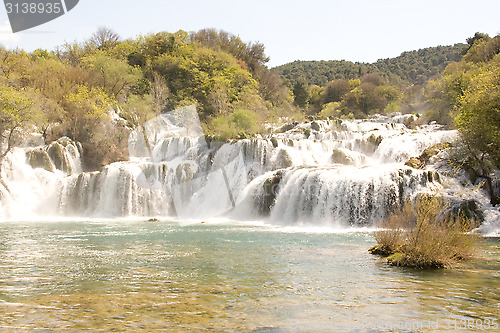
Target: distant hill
{"x": 413, "y": 67}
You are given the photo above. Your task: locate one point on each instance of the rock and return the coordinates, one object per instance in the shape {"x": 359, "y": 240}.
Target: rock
{"x": 315, "y": 126}
{"x": 415, "y": 163}
{"x": 307, "y": 133}
{"x": 283, "y": 159}
{"x": 274, "y": 141}
{"x": 287, "y": 127}
{"x": 56, "y": 154}
{"x": 340, "y": 157}
{"x": 381, "y": 250}
{"x": 376, "y": 140}
{"x": 469, "y": 209}
{"x": 154, "y": 219}
{"x": 270, "y": 189}
{"x": 65, "y": 141}
{"x": 38, "y": 158}
{"x": 423, "y": 160}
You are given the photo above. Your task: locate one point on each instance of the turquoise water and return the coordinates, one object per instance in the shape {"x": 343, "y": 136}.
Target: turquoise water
{"x": 116, "y": 275}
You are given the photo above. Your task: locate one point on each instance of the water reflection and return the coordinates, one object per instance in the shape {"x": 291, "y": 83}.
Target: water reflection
{"x": 123, "y": 276}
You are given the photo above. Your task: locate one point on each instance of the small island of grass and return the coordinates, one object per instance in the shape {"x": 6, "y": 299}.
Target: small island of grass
{"x": 426, "y": 234}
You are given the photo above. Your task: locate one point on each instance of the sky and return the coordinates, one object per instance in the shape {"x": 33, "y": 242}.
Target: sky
{"x": 356, "y": 30}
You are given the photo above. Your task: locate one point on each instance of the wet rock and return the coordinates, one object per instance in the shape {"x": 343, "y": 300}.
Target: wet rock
{"x": 381, "y": 250}
{"x": 270, "y": 189}
{"x": 283, "y": 159}
{"x": 423, "y": 160}
{"x": 375, "y": 140}
{"x": 38, "y": 158}
{"x": 56, "y": 154}
{"x": 287, "y": 127}
{"x": 274, "y": 141}
{"x": 315, "y": 126}
{"x": 339, "y": 156}
{"x": 469, "y": 209}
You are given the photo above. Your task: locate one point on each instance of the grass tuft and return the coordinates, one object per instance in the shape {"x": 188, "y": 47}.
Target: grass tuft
{"x": 419, "y": 236}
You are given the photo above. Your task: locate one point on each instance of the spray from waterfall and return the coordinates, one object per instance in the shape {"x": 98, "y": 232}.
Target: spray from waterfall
{"x": 334, "y": 173}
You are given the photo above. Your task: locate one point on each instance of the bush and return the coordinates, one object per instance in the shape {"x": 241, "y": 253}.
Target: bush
{"x": 419, "y": 236}
{"x": 244, "y": 119}
{"x": 223, "y": 128}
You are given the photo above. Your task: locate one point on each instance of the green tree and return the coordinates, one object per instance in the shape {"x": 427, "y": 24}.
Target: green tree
{"x": 301, "y": 94}
{"x": 479, "y": 111}
{"x": 16, "y": 112}
{"x": 115, "y": 76}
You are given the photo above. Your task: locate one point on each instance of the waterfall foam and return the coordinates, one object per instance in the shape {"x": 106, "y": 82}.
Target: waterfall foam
{"x": 328, "y": 173}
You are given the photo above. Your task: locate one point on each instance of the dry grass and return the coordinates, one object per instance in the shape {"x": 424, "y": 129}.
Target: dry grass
{"x": 418, "y": 236}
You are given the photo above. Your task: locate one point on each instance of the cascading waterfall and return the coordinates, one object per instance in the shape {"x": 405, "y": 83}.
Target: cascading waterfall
{"x": 334, "y": 196}
{"x": 30, "y": 178}
{"x": 334, "y": 173}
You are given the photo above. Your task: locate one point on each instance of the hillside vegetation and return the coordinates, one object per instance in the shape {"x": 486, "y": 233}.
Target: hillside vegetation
{"x": 95, "y": 92}
{"x": 413, "y": 67}
{"x": 467, "y": 95}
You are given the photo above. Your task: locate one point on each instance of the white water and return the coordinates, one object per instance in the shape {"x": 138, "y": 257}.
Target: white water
{"x": 348, "y": 173}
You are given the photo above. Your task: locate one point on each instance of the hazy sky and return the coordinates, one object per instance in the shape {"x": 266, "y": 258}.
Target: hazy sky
{"x": 359, "y": 30}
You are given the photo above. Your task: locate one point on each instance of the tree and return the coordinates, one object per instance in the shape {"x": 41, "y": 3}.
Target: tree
{"x": 12, "y": 62}
{"x": 16, "y": 112}
{"x": 104, "y": 39}
{"x": 335, "y": 91}
{"x": 301, "y": 94}
{"x": 115, "y": 76}
{"x": 472, "y": 40}
{"x": 479, "y": 112}
{"x": 88, "y": 121}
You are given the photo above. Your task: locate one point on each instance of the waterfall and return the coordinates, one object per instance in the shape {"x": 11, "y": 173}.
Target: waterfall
{"x": 30, "y": 178}
{"x": 334, "y": 195}
{"x": 328, "y": 173}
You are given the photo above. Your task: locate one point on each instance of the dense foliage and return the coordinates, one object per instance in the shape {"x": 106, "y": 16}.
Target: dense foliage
{"x": 344, "y": 88}
{"x": 468, "y": 93}
{"x": 95, "y": 92}
{"x": 413, "y": 67}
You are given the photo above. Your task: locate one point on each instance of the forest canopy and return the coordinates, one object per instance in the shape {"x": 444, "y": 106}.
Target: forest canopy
{"x": 97, "y": 91}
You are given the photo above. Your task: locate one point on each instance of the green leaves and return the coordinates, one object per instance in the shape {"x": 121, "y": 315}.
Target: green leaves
{"x": 479, "y": 110}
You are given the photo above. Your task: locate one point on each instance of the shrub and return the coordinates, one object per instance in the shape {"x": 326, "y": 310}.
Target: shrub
{"x": 418, "y": 235}
{"x": 223, "y": 128}
{"x": 244, "y": 119}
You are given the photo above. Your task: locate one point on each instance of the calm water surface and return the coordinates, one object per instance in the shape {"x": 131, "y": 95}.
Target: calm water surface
{"x": 115, "y": 276}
